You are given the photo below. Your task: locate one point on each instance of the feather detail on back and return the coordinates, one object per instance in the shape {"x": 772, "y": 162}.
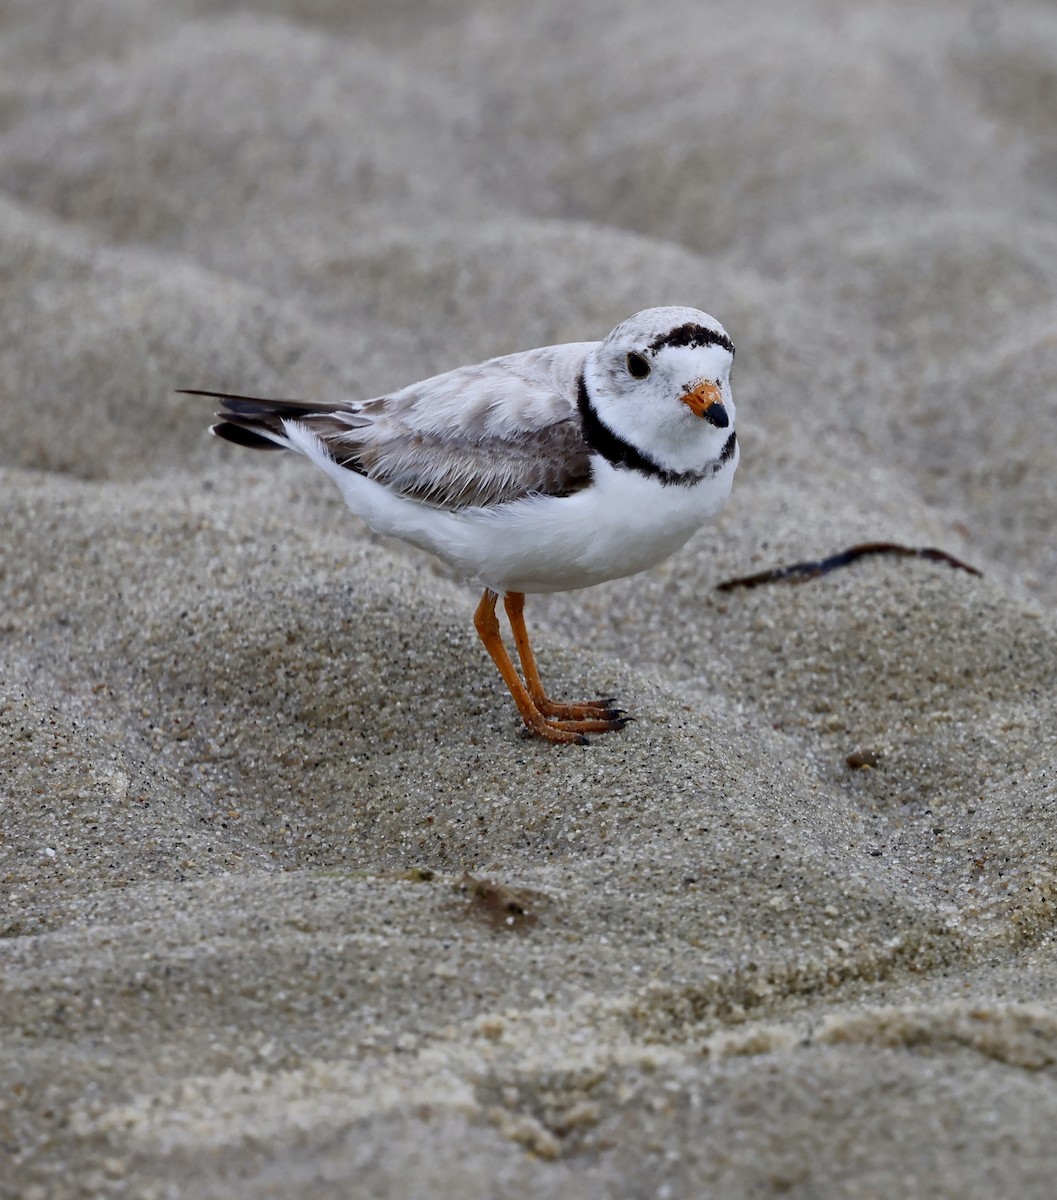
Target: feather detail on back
{"x": 477, "y": 436}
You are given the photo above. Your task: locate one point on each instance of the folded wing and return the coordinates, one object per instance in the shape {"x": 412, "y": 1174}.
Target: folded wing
{"x": 477, "y": 436}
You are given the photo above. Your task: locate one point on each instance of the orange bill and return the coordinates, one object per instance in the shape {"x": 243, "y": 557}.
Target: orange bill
{"x": 701, "y": 398}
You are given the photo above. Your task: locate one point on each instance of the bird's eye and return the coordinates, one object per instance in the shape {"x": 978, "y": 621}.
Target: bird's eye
{"x": 638, "y": 367}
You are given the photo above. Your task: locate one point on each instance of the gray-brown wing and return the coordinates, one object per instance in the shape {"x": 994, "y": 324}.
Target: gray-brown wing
{"x": 477, "y": 436}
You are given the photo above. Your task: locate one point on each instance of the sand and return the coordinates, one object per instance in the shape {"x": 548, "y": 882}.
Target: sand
{"x": 249, "y": 752}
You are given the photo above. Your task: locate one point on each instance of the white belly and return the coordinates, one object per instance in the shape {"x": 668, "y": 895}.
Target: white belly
{"x": 623, "y": 523}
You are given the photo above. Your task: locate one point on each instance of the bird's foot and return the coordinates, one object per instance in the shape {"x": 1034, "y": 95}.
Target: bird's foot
{"x": 572, "y": 722}
{"x": 602, "y": 709}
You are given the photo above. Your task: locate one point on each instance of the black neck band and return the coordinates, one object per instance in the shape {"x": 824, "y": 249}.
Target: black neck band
{"x": 620, "y": 453}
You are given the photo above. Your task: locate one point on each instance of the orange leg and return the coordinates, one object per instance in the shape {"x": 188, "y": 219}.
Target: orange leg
{"x": 601, "y": 708}
{"x": 570, "y": 728}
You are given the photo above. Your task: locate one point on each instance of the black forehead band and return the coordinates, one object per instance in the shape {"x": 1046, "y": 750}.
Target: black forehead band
{"x": 691, "y": 335}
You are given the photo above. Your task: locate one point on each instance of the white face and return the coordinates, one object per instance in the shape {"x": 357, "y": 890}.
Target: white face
{"x": 664, "y": 388}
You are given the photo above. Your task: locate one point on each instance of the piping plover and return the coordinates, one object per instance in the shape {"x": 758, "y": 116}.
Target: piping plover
{"x": 543, "y": 471}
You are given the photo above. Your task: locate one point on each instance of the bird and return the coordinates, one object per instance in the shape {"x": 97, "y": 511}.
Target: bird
{"x": 547, "y": 470}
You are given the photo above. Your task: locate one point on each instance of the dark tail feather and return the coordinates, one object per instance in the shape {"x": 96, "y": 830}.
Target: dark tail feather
{"x": 243, "y": 436}
{"x": 248, "y": 420}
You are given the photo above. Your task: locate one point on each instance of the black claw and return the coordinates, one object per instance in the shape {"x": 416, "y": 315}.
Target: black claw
{"x": 582, "y": 739}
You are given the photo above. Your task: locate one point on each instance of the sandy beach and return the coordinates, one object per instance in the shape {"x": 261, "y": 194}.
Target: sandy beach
{"x": 290, "y": 907}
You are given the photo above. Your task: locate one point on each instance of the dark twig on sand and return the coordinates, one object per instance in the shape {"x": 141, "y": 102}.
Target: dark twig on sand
{"x": 802, "y": 571}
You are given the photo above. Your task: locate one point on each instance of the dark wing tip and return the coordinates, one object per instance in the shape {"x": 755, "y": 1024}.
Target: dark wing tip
{"x": 232, "y": 396}
{"x": 259, "y": 406}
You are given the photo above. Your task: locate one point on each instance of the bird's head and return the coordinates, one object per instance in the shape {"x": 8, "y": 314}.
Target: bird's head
{"x": 661, "y": 381}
